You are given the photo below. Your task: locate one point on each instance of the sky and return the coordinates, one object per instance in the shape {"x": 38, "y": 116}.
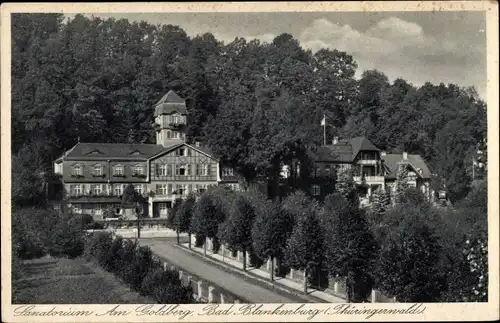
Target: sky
{"x": 447, "y": 47}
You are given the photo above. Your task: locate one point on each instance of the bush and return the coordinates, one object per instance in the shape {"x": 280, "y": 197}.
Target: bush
{"x": 67, "y": 240}
{"x": 166, "y": 287}
{"x": 115, "y": 254}
{"x": 138, "y": 269}
{"x": 99, "y": 247}
{"x": 125, "y": 260}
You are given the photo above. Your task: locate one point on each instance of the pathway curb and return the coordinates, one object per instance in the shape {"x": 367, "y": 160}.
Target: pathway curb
{"x": 252, "y": 276}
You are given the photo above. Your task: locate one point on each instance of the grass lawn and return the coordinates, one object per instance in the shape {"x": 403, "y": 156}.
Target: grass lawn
{"x": 71, "y": 281}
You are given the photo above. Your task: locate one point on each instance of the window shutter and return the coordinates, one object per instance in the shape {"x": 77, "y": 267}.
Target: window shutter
{"x": 209, "y": 166}
{"x": 197, "y": 169}
{"x": 169, "y": 169}
{"x": 169, "y": 188}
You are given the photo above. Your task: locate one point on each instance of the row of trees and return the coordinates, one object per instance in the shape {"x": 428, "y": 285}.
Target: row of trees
{"x": 413, "y": 250}
{"x": 257, "y": 105}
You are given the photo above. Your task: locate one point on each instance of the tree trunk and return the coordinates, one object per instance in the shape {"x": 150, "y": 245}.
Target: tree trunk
{"x": 189, "y": 239}
{"x": 244, "y": 260}
{"x": 138, "y": 227}
{"x": 305, "y": 281}
{"x": 272, "y": 268}
{"x": 205, "y": 247}
{"x": 178, "y": 239}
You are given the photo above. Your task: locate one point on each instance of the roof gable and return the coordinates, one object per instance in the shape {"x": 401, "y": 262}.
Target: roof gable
{"x": 361, "y": 144}
{"x": 204, "y": 151}
{"x": 415, "y": 161}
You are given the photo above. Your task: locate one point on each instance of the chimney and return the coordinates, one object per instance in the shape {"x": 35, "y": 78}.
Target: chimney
{"x": 405, "y": 155}
{"x": 382, "y": 153}
{"x": 335, "y": 140}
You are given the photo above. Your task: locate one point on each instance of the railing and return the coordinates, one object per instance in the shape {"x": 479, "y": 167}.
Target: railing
{"x": 369, "y": 179}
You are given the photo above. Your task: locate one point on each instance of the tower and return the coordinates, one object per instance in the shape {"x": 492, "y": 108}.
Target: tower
{"x": 170, "y": 120}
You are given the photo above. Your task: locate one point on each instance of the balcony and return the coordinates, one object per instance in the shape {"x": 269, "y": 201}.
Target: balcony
{"x": 94, "y": 198}
{"x": 176, "y": 125}
{"x": 370, "y": 180}
{"x": 367, "y": 162}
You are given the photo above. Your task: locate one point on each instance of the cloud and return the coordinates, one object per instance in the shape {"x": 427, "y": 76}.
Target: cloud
{"x": 398, "y": 48}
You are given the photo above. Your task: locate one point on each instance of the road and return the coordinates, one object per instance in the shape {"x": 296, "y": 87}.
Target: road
{"x": 248, "y": 290}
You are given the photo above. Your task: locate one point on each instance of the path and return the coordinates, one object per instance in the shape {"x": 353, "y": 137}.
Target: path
{"x": 233, "y": 283}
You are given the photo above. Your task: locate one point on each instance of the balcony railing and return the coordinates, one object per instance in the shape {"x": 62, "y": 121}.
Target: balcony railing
{"x": 367, "y": 161}
{"x": 369, "y": 179}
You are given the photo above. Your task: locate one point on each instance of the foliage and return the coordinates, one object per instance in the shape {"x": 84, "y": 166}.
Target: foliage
{"x": 401, "y": 181}
{"x": 305, "y": 248}
{"x": 204, "y": 220}
{"x": 98, "y": 248}
{"x": 408, "y": 265}
{"x": 166, "y": 287}
{"x": 184, "y": 214}
{"x": 67, "y": 240}
{"x": 350, "y": 247}
{"x": 171, "y": 220}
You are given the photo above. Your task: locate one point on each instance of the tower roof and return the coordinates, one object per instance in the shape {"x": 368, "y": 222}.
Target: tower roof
{"x": 169, "y": 104}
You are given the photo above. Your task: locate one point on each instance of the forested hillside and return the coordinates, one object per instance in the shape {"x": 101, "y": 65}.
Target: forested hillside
{"x": 255, "y": 104}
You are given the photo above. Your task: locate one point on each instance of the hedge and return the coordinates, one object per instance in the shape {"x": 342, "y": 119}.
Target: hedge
{"x": 137, "y": 268}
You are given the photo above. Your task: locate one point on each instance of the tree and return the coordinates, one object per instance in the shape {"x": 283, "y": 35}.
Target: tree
{"x": 204, "y": 222}
{"x": 304, "y": 249}
{"x": 401, "y": 181}
{"x": 173, "y": 212}
{"x": 132, "y": 199}
{"x": 270, "y": 231}
{"x": 349, "y": 244}
{"x": 236, "y": 231}
{"x": 183, "y": 217}
{"x": 408, "y": 265}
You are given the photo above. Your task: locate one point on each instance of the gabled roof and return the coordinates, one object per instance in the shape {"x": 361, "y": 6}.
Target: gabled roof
{"x": 203, "y": 150}
{"x": 344, "y": 150}
{"x": 415, "y": 161}
{"x": 340, "y": 152}
{"x": 361, "y": 143}
{"x": 83, "y": 151}
{"x": 169, "y": 104}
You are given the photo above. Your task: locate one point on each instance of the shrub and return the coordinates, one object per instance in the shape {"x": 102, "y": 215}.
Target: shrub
{"x": 99, "y": 247}
{"x": 126, "y": 259}
{"x": 67, "y": 240}
{"x": 142, "y": 262}
{"x": 115, "y": 254}
{"x": 166, "y": 287}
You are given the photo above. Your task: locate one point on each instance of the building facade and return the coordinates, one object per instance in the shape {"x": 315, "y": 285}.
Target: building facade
{"x": 372, "y": 169}
{"x": 95, "y": 175}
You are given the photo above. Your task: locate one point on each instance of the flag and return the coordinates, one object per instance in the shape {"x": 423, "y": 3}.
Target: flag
{"x": 323, "y": 121}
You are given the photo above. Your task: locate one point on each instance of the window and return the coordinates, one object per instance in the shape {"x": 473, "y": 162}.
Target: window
{"x": 97, "y": 170}
{"x": 118, "y": 210}
{"x": 96, "y": 189}
{"x": 176, "y": 119}
{"x": 77, "y": 170}
{"x": 204, "y": 170}
{"x": 98, "y": 211}
{"x": 161, "y": 189}
{"x": 118, "y": 189}
{"x": 138, "y": 188}
{"x": 76, "y": 190}
{"x": 328, "y": 170}
{"x": 169, "y": 134}
{"x": 318, "y": 171}
{"x": 227, "y": 172}
{"x": 181, "y": 189}
{"x": 181, "y": 152}
{"x": 77, "y": 209}
{"x": 163, "y": 170}
{"x": 118, "y": 170}
{"x": 170, "y": 189}
{"x": 138, "y": 170}
{"x": 315, "y": 190}
{"x": 162, "y": 207}
{"x": 182, "y": 170}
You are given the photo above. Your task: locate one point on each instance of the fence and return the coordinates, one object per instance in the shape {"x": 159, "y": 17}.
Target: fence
{"x": 336, "y": 286}
{"x": 203, "y": 290}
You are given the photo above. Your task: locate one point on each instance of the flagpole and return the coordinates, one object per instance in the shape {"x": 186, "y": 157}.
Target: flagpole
{"x": 324, "y": 129}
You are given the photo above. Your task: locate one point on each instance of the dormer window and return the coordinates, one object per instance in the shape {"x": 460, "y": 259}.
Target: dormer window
{"x": 138, "y": 170}
{"x": 118, "y": 170}
{"x": 77, "y": 170}
{"x": 97, "y": 170}
{"x": 181, "y": 152}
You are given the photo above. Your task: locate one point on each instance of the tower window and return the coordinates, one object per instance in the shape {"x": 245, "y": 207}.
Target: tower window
{"x": 315, "y": 190}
